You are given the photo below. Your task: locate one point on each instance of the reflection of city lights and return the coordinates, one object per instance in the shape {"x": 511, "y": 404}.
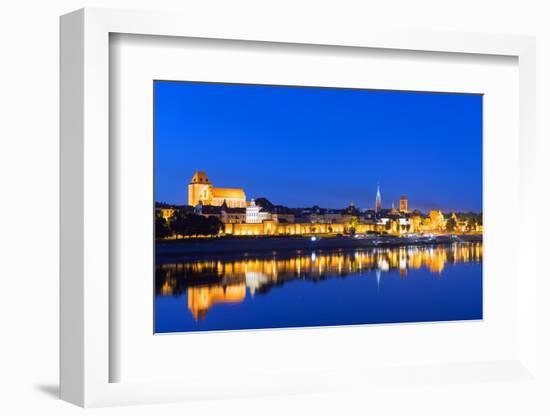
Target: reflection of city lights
{"x": 383, "y": 265}
{"x": 255, "y": 274}
{"x": 255, "y": 280}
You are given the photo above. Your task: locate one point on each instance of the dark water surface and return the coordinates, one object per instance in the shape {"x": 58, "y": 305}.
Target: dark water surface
{"x": 336, "y": 287}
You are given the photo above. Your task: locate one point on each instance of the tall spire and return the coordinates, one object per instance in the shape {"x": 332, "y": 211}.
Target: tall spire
{"x": 378, "y": 204}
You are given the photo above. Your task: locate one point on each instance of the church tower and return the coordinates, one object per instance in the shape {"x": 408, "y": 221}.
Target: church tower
{"x": 403, "y": 204}
{"x": 199, "y": 189}
{"x": 378, "y": 204}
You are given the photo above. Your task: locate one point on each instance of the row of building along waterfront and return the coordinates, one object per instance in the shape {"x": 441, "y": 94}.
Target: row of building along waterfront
{"x": 243, "y": 217}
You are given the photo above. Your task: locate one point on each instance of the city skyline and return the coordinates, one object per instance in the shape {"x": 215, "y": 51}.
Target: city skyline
{"x": 301, "y": 147}
{"x": 224, "y": 260}
{"x": 377, "y": 205}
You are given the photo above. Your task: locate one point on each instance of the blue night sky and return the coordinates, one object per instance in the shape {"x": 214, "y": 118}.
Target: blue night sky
{"x": 318, "y": 146}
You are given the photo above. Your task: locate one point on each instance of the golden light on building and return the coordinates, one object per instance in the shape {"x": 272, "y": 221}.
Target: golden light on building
{"x": 271, "y": 227}
{"x": 437, "y": 220}
{"x": 403, "y": 204}
{"x": 167, "y": 213}
{"x": 244, "y": 218}
{"x": 200, "y": 189}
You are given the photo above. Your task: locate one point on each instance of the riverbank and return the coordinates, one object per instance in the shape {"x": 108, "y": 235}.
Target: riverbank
{"x": 172, "y": 250}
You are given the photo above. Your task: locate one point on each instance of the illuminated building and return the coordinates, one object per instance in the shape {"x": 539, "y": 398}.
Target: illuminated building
{"x": 437, "y": 220}
{"x": 232, "y": 215}
{"x": 200, "y": 189}
{"x": 403, "y": 204}
{"x": 255, "y": 215}
{"x": 330, "y": 218}
{"x": 278, "y": 217}
{"x": 270, "y": 227}
{"x": 166, "y": 213}
{"x": 464, "y": 224}
{"x": 242, "y": 218}
{"x": 208, "y": 210}
{"x": 405, "y": 225}
{"x": 378, "y": 202}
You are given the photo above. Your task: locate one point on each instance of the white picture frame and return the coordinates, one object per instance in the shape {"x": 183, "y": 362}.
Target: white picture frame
{"x": 85, "y": 210}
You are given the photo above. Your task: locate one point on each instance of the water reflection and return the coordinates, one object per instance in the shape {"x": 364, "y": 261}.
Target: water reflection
{"x": 221, "y": 280}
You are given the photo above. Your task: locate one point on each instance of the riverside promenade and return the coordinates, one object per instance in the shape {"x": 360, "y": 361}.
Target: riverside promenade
{"x": 171, "y": 250}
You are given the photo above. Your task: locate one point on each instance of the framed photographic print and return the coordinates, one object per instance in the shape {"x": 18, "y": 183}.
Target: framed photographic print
{"x": 287, "y": 212}
{"x": 302, "y": 241}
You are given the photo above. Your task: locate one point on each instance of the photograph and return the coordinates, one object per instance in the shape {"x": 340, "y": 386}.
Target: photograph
{"x": 282, "y": 206}
{"x": 275, "y": 207}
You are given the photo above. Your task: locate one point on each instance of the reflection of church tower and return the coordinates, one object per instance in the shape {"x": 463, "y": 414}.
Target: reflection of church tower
{"x": 378, "y": 204}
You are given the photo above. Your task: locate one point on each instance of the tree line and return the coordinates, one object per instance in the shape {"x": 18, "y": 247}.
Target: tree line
{"x": 188, "y": 225}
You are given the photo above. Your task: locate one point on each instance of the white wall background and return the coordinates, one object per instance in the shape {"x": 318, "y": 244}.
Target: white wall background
{"x": 29, "y": 207}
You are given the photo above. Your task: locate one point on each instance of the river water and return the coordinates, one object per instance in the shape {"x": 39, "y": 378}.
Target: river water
{"x": 317, "y": 288}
